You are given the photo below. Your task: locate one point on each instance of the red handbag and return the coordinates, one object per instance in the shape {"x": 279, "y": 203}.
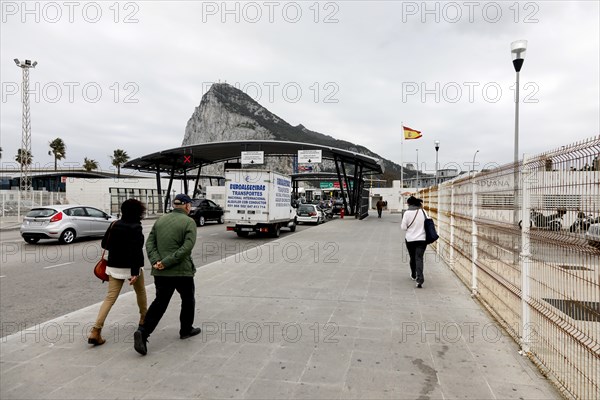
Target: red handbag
{"x": 100, "y": 267}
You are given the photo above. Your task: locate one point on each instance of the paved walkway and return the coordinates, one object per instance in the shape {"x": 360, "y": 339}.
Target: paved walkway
{"x": 327, "y": 313}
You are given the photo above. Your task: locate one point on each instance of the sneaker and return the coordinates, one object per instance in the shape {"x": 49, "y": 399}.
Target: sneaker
{"x": 191, "y": 333}
{"x": 139, "y": 342}
{"x": 413, "y": 277}
{"x": 419, "y": 286}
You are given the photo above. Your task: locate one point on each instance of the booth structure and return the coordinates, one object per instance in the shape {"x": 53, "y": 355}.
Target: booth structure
{"x": 186, "y": 163}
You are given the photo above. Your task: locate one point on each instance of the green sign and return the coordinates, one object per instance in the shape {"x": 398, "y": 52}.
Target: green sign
{"x": 326, "y": 185}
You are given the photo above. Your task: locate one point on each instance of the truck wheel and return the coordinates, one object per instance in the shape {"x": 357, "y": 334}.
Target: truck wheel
{"x": 242, "y": 234}
{"x": 276, "y": 231}
{"x": 293, "y": 228}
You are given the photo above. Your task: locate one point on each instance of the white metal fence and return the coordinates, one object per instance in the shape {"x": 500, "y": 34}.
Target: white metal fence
{"x": 541, "y": 282}
{"x": 14, "y": 204}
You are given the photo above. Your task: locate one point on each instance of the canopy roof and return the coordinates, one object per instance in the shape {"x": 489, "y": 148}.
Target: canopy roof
{"x": 186, "y": 158}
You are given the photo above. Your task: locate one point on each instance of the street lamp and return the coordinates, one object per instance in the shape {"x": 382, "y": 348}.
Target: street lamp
{"x": 473, "y": 167}
{"x": 517, "y": 50}
{"x": 437, "y": 147}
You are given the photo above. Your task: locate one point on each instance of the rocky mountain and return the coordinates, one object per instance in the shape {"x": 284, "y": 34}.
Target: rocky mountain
{"x": 227, "y": 113}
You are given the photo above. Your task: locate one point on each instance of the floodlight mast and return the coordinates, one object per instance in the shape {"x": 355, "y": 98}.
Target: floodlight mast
{"x": 25, "y": 161}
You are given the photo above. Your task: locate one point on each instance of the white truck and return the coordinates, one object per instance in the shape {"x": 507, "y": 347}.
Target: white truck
{"x": 258, "y": 201}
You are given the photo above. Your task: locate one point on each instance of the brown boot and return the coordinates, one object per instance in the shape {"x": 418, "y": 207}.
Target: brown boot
{"x": 95, "y": 338}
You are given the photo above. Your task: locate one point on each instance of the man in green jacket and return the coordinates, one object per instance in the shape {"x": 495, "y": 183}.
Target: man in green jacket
{"x": 169, "y": 247}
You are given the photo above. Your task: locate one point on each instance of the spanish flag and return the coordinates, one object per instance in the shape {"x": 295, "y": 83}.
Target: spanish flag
{"x": 411, "y": 133}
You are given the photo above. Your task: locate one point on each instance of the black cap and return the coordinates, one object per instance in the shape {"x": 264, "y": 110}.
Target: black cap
{"x": 182, "y": 198}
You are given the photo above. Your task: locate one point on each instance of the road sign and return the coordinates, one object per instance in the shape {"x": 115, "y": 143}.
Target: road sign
{"x": 309, "y": 156}
{"x": 253, "y": 157}
{"x": 326, "y": 185}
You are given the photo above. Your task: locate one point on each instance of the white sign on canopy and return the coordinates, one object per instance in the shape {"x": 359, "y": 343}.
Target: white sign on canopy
{"x": 309, "y": 156}
{"x": 253, "y": 157}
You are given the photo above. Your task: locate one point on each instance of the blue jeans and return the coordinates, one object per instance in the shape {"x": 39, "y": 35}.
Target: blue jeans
{"x": 416, "y": 250}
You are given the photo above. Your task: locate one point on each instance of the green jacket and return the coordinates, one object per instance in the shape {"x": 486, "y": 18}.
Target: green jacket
{"x": 171, "y": 241}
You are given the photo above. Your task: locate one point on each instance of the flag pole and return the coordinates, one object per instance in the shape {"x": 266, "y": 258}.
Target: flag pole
{"x": 401, "y": 163}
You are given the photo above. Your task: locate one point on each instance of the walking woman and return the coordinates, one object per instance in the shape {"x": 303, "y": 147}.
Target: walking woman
{"x": 413, "y": 222}
{"x": 124, "y": 241}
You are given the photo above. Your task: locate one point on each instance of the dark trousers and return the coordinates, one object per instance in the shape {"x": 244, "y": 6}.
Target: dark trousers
{"x": 165, "y": 287}
{"x": 416, "y": 250}
{"x": 379, "y": 212}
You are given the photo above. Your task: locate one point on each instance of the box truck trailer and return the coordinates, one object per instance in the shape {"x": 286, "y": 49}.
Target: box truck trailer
{"x": 258, "y": 201}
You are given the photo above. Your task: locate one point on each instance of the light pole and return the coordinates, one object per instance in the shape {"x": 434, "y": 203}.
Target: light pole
{"x": 437, "y": 148}
{"x": 517, "y": 50}
{"x": 417, "y": 184}
{"x": 473, "y": 167}
{"x": 25, "y": 184}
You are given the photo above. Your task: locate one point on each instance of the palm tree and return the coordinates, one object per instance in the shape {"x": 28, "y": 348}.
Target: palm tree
{"x": 58, "y": 149}
{"x": 23, "y": 157}
{"x": 89, "y": 165}
{"x": 119, "y": 158}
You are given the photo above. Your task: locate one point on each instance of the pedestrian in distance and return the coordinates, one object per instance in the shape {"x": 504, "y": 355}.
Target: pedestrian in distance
{"x": 380, "y": 204}
{"x": 124, "y": 241}
{"x": 413, "y": 222}
{"x": 169, "y": 248}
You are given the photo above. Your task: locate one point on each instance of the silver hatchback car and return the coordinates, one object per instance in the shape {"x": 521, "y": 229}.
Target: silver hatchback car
{"x": 64, "y": 222}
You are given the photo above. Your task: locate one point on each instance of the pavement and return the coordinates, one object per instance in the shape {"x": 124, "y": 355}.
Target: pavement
{"x": 10, "y": 223}
{"x": 325, "y": 313}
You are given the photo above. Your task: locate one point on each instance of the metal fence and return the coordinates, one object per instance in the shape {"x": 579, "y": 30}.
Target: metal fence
{"x": 14, "y": 205}
{"x": 541, "y": 281}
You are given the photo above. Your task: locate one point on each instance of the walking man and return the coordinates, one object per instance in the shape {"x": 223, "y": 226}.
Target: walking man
{"x": 380, "y": 205}
{"x": 169, "y": 247}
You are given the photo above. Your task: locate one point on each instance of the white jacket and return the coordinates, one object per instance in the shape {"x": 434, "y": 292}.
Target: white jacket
{"x": 416, "y": 232}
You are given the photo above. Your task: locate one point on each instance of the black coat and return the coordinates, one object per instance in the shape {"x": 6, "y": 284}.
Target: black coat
{"x": 124, "y": 242}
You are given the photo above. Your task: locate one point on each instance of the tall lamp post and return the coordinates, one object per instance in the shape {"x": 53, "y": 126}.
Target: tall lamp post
{"x": 517, "y": 50}
{"x": 25, "y": 184}
{"x": 437, "y": 148}
{"x": 473, "y": 168}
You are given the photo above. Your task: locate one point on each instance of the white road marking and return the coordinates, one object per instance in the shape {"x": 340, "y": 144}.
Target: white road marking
{"x": 2, "y": 276}
{"x": 214, "y": 234}
{"x": 59, "y": 265}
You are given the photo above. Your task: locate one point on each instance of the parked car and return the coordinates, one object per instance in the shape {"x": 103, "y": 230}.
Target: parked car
{"x": 593, "y": 235}
{"x": 309, "y": 213}
{"x": 206, "y": 210}
{"x": 64, "y": 222}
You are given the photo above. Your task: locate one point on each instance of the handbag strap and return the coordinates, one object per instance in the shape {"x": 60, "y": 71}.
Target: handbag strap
{"x": 426, "y": 217}
{"x": 413, "y": 220}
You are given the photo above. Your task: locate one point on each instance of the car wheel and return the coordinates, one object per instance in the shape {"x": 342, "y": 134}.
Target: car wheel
{"x": 242, "y": 234}
{"x": 67, "y": 236}
{"x": 222, "y": 219}
{"x": 318, "y": 220}
{"x": 200, "y": 221}
{"x": 32, "y": 240}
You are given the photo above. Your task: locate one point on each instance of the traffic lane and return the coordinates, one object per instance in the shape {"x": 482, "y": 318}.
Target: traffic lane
{"x": 46, "y": 280}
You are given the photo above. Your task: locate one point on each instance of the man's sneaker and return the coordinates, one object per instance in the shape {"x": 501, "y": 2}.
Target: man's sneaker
{"x": 139, "y": 342}
{"x": 419, "y": 286}
{"x": 413, "y": 277}
{"x": 191, "y": 333}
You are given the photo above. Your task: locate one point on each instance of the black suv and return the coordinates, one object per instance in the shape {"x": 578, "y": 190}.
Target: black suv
{"x": 206, "y": 210}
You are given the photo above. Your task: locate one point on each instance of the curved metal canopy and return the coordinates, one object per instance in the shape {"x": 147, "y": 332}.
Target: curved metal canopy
{"x": 186, "y": 158}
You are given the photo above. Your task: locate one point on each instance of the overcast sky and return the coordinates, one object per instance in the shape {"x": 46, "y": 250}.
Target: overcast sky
{"x": 128, "y": 75}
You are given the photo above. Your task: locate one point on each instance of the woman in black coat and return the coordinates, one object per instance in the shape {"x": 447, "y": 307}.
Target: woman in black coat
{"x": 124, "y": 241}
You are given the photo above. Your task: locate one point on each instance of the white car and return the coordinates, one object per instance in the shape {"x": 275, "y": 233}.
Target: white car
{"x": 309, "y": 213}
{"x": 593, "y": 235}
